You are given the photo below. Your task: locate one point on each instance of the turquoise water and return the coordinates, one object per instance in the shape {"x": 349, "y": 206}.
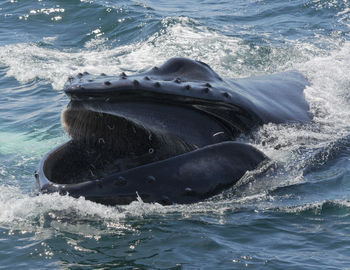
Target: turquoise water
{"x": 294, "y": 215}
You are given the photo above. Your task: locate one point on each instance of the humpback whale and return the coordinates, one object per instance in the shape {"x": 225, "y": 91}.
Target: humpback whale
{"x": 168, "y": 135}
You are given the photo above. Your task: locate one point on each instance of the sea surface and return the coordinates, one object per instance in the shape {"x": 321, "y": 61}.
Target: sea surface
{"x": 293, "y": 215}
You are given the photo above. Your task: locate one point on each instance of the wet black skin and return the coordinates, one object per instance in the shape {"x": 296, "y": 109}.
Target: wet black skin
{"x": 167, "y": 134}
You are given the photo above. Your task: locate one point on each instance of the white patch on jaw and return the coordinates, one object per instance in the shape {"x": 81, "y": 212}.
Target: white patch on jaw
{"x": 218, "y": 133}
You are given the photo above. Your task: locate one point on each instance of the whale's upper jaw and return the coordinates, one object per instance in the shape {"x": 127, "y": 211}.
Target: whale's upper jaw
{"x": 179, "y": 81}
{"x": 179, "y": 78}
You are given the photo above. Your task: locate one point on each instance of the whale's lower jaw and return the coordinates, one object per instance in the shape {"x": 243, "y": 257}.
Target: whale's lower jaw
{"x": 185, "y": 178}
{"x": 112, "y": 157}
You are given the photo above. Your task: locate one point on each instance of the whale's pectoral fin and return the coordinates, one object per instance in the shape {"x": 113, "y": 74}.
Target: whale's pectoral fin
{"x": 186, "y": 178}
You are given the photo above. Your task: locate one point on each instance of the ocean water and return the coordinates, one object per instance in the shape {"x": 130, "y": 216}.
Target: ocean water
{"x": 293, "y": 215}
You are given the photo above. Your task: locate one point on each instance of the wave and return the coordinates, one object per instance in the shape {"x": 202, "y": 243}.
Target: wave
{"x": 326, "y": 207}
{"x": 303, "y": 147}
{"x": 44, "y": 213}
{"x": 229, "y": 56}
{"x": 32, "y": 213}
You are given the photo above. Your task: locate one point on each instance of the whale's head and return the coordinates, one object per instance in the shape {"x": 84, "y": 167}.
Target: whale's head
{"x": 118, "y": 123}
{"x": 166, "y": 133}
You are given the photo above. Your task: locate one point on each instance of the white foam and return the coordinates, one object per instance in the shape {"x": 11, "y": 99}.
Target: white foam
{"x": 315, "y": 207}
{"x": 20, "y": 211}
{"x": 18, "y": 206}
{"x": 24, "y": 212}
{"x": 328, "y": 97}
{"x": 28, "y": 61}
{"x": 328, "y": 92}
{"x": 228, "y": 56}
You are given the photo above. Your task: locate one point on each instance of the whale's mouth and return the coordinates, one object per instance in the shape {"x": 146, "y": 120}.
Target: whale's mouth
{"x": 110, "y": 137}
